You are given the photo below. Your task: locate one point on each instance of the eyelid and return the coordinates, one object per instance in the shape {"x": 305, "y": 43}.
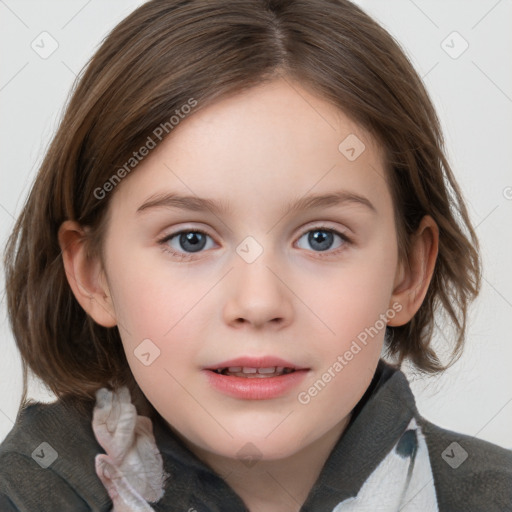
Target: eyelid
{"x": 345, "y": 233}
{"x": 310, "y": 226}
{"x": 325, "y": 225}
{"x": 175, "y": 231}
{"x": 167, "y": 236}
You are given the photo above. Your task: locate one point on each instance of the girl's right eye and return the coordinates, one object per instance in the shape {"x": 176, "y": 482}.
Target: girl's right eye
{"x": 190, "y": 240}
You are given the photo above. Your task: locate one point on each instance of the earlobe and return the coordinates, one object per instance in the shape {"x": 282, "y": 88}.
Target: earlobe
{"x": 85, "y": 277}
{"x": 413, "y": 278}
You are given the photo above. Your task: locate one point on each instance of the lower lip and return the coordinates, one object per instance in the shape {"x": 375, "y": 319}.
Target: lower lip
{"x": 255, "y": 388}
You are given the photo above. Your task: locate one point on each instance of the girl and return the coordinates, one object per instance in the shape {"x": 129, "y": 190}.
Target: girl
{"x": 244, "y": 225}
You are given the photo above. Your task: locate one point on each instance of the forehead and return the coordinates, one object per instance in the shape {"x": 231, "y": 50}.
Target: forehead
{"x": 271, "y": 144}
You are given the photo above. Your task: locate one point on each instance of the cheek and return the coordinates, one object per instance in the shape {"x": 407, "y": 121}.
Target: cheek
{"x": 352, "y": 297}
{"x": 349, "y": 341}
{"x": 148, "y": 300}
{"x": 154, "y": 311}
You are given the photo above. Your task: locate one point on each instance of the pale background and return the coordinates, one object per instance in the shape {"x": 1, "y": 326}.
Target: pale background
{"x": 472, "y": 92}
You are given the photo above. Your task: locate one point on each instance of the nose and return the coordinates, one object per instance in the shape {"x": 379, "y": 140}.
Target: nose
{"x": 257, "y": 294}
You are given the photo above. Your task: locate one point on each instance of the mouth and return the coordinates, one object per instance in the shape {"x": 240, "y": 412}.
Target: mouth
{"x": 251, "y": 372}
{"x": 250, "y": 367}
{"x": 255, "y": 378}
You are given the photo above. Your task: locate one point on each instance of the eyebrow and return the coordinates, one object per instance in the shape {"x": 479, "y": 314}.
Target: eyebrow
{"x": 201, "y": 204}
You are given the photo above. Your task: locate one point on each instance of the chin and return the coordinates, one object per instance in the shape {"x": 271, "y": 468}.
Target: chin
{"x": 254, "y": 448}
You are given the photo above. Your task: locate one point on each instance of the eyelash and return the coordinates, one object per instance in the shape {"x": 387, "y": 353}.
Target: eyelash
{"x": 190, "y": 256}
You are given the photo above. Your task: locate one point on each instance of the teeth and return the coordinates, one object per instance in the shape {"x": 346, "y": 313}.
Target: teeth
{"x": 272, "y": 369}
{"x": 248, "y": 371}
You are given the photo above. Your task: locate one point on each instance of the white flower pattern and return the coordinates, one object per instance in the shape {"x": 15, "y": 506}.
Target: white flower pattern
{"x": 403, "y": 480}
{"x": 132, "y": 468}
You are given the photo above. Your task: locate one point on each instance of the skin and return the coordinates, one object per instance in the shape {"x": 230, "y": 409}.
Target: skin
{"x": 256, "y": 151}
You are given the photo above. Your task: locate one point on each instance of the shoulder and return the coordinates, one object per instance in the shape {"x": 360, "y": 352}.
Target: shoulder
{"x": 469, "y": 473}
{"x": 47, "y": 462}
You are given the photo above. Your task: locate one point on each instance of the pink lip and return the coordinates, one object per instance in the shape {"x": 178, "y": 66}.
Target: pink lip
{"x": 255, "y": 388}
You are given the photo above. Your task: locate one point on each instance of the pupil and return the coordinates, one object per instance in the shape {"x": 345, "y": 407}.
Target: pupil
{"x": 192, "y": 241}
{"x": 322, "y": 238}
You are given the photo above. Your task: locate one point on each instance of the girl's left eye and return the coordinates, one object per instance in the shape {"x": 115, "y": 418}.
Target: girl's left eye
{"x": 195, "y": 240}
{"x": 322, "y": 239}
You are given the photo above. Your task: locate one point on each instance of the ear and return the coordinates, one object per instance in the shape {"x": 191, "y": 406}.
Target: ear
{"x": 412, "y": 279}
{"x": 85, "y": 276}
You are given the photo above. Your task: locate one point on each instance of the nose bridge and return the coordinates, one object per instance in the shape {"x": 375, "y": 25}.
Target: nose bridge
{"x": 256, "y": 292}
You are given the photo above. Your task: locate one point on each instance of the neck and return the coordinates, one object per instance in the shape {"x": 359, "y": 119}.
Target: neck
{"x": 280, "y": 485}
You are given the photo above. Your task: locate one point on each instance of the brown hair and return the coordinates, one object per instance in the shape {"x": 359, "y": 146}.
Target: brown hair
{"x": 158, "y": 58}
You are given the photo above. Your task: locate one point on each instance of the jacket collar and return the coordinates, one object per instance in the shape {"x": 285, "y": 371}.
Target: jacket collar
{"x": 382, "y": 418}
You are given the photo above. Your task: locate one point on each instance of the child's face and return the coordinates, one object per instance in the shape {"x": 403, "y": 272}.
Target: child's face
{"x": 318, "y": 309}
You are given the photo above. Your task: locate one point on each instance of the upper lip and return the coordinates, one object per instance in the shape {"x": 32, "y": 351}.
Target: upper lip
{"x": 255, "y": 362}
